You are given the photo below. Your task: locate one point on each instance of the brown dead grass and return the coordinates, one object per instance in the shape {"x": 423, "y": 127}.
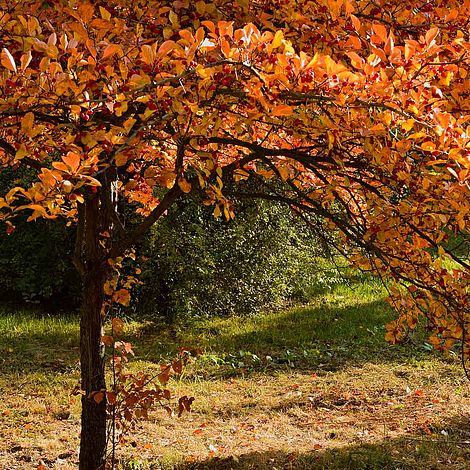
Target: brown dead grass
{"x": 275, "y": 418}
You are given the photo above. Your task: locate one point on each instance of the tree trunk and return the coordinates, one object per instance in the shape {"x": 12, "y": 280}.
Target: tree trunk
{"x": 93, "y": 270}
{"x": 93, "y": 430}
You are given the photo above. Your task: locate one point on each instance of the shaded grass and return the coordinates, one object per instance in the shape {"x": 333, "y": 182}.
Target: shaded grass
{"x": 396, "y": 454}
{"x": 30, "y": 340}
{"x": 344, "y": 326}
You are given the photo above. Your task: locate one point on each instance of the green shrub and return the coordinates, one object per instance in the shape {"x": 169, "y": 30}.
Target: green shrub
{"x": 199, "y": 265}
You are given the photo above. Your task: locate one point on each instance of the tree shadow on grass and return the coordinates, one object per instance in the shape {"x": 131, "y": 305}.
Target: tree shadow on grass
{"x": 325, "y": 337}
{"x": 411, "y": 452}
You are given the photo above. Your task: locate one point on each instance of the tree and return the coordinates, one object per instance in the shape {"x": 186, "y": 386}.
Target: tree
{"x": 359, "y": 107}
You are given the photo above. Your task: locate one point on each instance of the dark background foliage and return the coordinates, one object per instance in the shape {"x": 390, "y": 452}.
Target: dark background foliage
{"x": 197, "y": 265}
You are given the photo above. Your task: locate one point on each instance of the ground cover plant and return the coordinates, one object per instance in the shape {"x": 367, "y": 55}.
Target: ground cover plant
{"x": 352, "y": 112}
{"x": 301, "y": 388}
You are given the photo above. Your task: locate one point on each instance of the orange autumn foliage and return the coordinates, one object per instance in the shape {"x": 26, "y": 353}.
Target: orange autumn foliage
{"x": 361, "y": 110}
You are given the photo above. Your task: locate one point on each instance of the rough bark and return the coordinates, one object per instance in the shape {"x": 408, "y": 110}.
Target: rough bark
{"x": 92, "y": 266}
{"x": 93, "y": 426}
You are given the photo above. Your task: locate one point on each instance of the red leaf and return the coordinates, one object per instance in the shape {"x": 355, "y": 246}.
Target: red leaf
{"x": 164, "y": 375}
{"x": 184, "y": 403}
{"x": 98, "y": 396}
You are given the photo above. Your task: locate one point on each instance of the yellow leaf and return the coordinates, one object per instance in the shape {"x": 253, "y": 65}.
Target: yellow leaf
{"x": 21, "y": 152}
{"x": 462, "y": 223}
{"x": 27, "y": 123}
{"x": 7, "y": 60}
{"x": 38, "y": 211}
{"x": 417, "y": 135}
{"x": 118, "y": 325}
{"x": 408, "y": 125}
{"x": 119, "y": 111}
{"x": 277, "y": 41}
{"x": 282, "y": 110}
{"x": 202, "y": 71}
{"x": 128, "y": 124}
{"x": 105, "y": 14}
{"x": 109, "y": 287}
{"x": 200, "y": 7}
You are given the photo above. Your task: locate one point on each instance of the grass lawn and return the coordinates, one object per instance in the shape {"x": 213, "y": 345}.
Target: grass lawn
{"x": 303, "y": 388}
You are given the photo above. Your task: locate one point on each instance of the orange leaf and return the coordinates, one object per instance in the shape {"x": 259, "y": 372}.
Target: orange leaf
{"x": 27, "y": 123}
{"x": 107, "y": 340}
{"x": 7, "y": 60}
{"x": 184, "y": 185}
{"x": 111, "y": 50}
{"x": 356, "y": 23}
{"x": 122, "y": 296}
{"x": 164, "y": 375}
{"x": 186, "y": 35}
{"x": 428, "y": 146}
{"x": 381, "y": 31}
{"x": 120, "y": 159}
{"x": 356, "y": 60}
{"x": 166, "y": 179}
{"x": 177, "y": 366}
{"x": 25, "y": 60}
{"x": 431, "y": 35}
{"x": 147, "y": 54}
{"x": 166, "y": 47}
{"x": 72, "y": 160}
{"x": 282, "y": 110}
{"x": 111, "y": 397}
